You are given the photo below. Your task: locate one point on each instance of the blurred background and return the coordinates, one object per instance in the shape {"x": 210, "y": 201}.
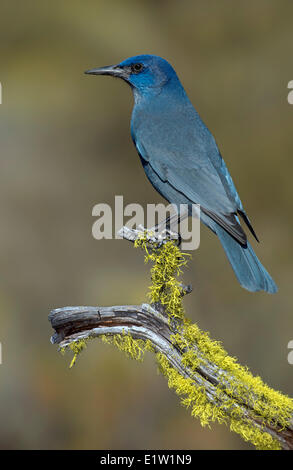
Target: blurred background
{"x": 66, "y": 146}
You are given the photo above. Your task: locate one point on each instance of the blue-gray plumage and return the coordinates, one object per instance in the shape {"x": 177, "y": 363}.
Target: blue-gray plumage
{"x": 182, "y": 161}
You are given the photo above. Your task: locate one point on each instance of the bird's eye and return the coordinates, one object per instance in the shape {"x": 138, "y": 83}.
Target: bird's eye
{"x": 136, "y": 68}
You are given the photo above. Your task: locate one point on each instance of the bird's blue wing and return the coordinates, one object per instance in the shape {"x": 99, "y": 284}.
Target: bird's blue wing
{"x": 196, "y": 169}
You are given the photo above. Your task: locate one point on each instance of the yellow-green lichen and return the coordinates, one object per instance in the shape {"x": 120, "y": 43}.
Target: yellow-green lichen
{"x": 76, "y": 347}
{"x": 196, "y": 399}
{"x": 168, "y": 262}
{"x": 237, "y": 386}
{"x": 236, "y": 381}
{"x": 133, "y": 348}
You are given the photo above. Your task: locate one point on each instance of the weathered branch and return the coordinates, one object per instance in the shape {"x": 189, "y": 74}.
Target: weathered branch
{"x": 151, "y": 322}
{"x": 72, "y": 324}
{"x": 152, "y": 235}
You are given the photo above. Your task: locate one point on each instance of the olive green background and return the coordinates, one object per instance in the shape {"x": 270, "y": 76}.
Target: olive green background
{"x": 65, "y": 146}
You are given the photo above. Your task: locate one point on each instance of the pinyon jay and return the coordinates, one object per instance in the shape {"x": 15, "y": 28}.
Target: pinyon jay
{"x": 182, "y": 161}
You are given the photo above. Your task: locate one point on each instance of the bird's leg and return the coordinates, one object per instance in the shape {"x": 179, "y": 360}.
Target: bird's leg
{"x": 163, "y": 229}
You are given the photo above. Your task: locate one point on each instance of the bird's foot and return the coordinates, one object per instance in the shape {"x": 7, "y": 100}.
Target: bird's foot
{"x": 162, "y": 236}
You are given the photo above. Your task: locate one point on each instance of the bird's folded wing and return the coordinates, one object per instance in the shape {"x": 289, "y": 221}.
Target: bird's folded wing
{"x": 203, "y": 186}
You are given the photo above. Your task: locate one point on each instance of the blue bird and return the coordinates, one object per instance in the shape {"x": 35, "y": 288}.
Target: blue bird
{"x": 182, "y": 161}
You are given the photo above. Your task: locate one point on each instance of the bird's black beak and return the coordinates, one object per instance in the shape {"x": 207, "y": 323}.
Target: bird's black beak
{"x": 113, "y": 70}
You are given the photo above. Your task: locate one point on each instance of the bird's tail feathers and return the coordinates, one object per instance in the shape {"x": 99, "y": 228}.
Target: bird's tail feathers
{"x": 248, "y": 269}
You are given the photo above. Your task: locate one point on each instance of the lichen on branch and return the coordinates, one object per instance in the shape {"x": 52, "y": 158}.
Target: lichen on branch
{"x": 213, "y": 385}
{"x": 168, "y": 262}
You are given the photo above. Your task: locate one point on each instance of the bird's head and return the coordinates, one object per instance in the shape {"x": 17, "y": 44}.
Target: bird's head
{"x": 144, "y": 73}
